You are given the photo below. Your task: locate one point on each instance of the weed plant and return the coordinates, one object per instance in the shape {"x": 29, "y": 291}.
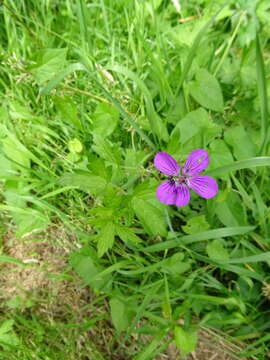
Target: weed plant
{"x": 90, "y": 91}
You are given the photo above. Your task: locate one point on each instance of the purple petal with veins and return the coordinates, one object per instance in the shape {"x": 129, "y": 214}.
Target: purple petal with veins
{"x": 183, "y": 195}
{"x": 196, "y": 162}
{"x": 166, "y": 164}
{"x": 167, "y": 192}
{"x": 203, "y": 185}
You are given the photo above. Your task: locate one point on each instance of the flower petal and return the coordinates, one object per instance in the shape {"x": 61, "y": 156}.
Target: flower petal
{"x": 183, "y": 195}
{"x": 167, "y": 192}
{"x": 203, "y": 185}
{"x": 197, "y": 161}
{"x": 166, "y": 164}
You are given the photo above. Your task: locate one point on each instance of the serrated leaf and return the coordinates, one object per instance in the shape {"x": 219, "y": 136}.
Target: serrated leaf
{"x": 196, "y": 224}
{"x": 133, "y": 162}
{"x": 186, "y": 341}
{"x": 195, "y": 130}
{"x": 85, "y": 181}
{"x": 126, "y": 234}
{"x": 207, "y": 91}
{"x": 106, "y": 150}
{"x": 105, "y": 119}
{"x": 216, "y": 250}
{"x": 151, "y": 218}
{"x": 105, "y": 238}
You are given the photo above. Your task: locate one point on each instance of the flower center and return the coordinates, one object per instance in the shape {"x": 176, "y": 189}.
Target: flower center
{"x": 182, "y": 179}
{"x": 178, "y": 180}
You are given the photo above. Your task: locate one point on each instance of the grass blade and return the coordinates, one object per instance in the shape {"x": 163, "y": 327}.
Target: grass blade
{"x": 60, "y": 77}
{"x": 248, "y": 259}
{"x": 147, "y": 352}
{"x": 262, "y": 92}
{"x": 207, "y": 235}
{"x": 238, "y": 165}
{"x": 81, "y": 12}
{"x": 10, "y": 259}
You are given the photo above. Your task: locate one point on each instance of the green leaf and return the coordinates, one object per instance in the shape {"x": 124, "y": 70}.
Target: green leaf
{"x": 174, "y": 264}
{"x": 48, "y": 63}
{"x": 105, "y": 149}
{"x": 119, "y": 314}
{"x": 6, "y": 326}
{"x": 31, "y": 222}
{"x": 240, "y": 141}
{"x": 126, "y": 234}
{"x": 186, "y": 341}
{"x": 216, "y": 250}
{"x": 16, "y": 151}
{"x": 133, "y": 162}
{"x": 67, "y": 110}
{"x": 105, "y": 238}
{"x": 196, "y": 224}
{"x": 75, "y": 146}
{"x": 207, "y": 91}
{"x": 6, "y": 168}
{"x": 151, "y": 218}
{"x": 196, "y": 129}
{"x": 85, "y": 181}
{"x": 230, "y": 211}
{"x": 219, "y": 154}
{"x": 6, "y": 334}
{"x": 27, "y": 220}
{"x": 84, "y": 262}
{"x": 105, "y": 119}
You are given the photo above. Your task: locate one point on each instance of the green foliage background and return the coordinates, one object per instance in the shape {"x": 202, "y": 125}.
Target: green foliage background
{"x": 90, "y": 91}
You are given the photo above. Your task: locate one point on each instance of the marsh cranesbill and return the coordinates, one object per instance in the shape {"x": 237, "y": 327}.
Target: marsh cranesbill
{"x": 175, "y": 190}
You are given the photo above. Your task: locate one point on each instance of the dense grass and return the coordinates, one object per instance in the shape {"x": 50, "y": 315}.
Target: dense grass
{"x": 90, "y": 91}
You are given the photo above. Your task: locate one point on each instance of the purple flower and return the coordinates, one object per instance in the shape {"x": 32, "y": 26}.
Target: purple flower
{"x": 175, "y": 190}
